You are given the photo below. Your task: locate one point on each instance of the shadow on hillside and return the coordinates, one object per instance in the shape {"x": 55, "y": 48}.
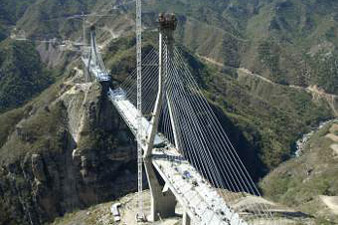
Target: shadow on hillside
{"x": 246, "y": 151}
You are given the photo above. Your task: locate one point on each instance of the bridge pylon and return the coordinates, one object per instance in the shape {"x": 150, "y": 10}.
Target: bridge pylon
{"x": 93, "y": 63}
{"x": 163, "y": 201}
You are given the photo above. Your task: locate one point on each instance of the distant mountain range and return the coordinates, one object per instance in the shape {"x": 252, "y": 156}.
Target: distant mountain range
{"x": 287, "y": 41}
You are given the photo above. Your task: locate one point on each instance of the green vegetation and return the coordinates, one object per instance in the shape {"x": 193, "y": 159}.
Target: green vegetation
{"x": 32, "y": 135}
{"x": 22, "y": 74}
{"x": 297, "y": 45}
{"x": 290, "y": 42}
{"x": 8, "y": 121}
{"x": 265, "y": 119}
{"x": 270, "y": 116}
{"x": 327, "y": 65}
{"x": 3, "y": 33}
{"x": 10, "y": 12}
{"x": 267, "y": 37}
{"x": 300, "y": 182}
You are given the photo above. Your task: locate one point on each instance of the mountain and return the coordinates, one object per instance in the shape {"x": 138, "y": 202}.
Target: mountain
{"x": 66, "y": 149}
{"x": 10, "y": 12}
{"x": 22, "y": 74}
{"x": 309, "y": 182}
{"x": 267, "y": 66}
{"x": 295, "y": 42}
{"x": 286, "y": 41}
{"x": 261, "y": 37}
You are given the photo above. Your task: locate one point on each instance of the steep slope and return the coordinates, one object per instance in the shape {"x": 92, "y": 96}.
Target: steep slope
{"x": 294, "y": 42}
{"x": 262, "y": 118}
{"x": 22, "y": 74}
{"x": 285, "y": 113}
{"x": 72, "y": 125}
{"x": 10, "y": 12}
{"x": 229, "y": 35}
{"x": 263, "y": 114}
{"x": 65, "y": 150}
{"x": 309, "y": 182}
{"x": 287, "y": 41}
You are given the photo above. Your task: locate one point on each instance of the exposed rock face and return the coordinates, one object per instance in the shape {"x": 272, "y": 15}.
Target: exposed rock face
{"x": 51, "y": 55}
{"x": 69, "y": 153}
{"x": 38, "y": 168}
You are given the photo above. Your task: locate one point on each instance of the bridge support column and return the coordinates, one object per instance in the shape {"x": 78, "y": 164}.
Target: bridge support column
{"x": 163, "y": 202}
{"x": 186, "y": 219}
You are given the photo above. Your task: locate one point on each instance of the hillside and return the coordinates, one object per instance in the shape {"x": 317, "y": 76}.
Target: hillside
{"x": 311, "y": 179}
{"x": 77, "y": 117}
{"x": 289, "y": 41}
{"x": 22, "y": 74}
{"x": 10, "y": 12}
{"x": 253, "y": 111}
{"x": 294, "y": 42}
{"x": 65, "y": 150}
{"x": 229, "y": 35}
{"x": 268, "y": 67}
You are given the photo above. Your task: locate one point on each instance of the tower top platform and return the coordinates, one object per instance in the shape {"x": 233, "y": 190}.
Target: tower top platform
{"x": 167, "y": 22}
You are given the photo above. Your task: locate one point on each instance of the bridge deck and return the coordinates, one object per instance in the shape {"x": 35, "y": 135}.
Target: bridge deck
{"x": 202, "y": 202}
{"x": 95, "y": 69}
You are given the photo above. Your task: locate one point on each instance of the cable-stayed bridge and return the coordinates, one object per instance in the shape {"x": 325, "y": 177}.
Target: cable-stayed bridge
{"x": 187, "y": 156}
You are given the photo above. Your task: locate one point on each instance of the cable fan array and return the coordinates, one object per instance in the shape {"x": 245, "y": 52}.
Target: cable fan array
{"x": 198, "y": 136}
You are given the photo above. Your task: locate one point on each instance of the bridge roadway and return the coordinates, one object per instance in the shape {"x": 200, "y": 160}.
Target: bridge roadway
{"x": 100, "y": 74}
{"x": 200, "y": 200}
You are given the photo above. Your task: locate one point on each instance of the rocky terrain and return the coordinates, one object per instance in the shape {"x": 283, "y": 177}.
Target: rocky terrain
{"x": 226, "y": 36}
{"x": 101, "y": 214}
{"x": 308, "y": 182}
{"x": 66, "y": 150}
{"x": 267, "y": 66}
{"x": 22, "y": 74}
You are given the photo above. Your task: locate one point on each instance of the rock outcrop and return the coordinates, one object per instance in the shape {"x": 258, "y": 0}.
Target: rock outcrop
{"x": 69, "y": 151}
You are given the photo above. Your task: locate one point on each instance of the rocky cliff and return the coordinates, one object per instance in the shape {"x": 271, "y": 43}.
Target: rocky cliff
{"x": 66, "y": 150}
